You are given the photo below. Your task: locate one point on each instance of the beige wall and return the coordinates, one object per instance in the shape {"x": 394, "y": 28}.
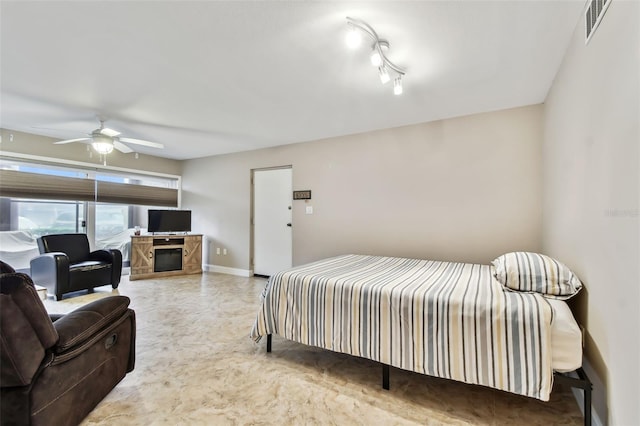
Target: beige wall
{"x": 26, "y": 143}
{"x": 591, "y": 196}
{"x": 466, "y": 189}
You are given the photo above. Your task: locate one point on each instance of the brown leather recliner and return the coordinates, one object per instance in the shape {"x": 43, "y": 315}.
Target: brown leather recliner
{"x": 66, "y": 264}
{"x": 56, "y": 372}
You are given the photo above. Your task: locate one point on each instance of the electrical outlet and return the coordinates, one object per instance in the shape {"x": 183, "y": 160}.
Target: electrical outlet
{"x": 217, "y": 250}
{"x": 224, "y": 252}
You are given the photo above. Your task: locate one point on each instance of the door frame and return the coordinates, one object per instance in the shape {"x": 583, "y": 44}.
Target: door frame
{"x": 252, "y": 255}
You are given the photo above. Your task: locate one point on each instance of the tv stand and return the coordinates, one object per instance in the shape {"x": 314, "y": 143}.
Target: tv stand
{"x": 154, "y": 256}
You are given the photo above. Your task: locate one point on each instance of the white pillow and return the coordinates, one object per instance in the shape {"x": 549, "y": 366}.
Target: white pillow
{"x": 536, "y": 273}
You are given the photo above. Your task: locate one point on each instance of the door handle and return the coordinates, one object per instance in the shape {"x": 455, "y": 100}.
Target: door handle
{"x": 289, "y": 225}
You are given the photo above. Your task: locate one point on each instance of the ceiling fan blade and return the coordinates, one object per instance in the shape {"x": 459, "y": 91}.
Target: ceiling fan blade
{"x": 122, "y": 147}
{"x": 142, "y": 142}
{"x": 109, "y": 132}
{"x": 72, "y": 140}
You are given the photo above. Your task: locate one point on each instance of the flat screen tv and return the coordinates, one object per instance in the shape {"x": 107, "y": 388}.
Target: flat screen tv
{"x": 169, "y": 221}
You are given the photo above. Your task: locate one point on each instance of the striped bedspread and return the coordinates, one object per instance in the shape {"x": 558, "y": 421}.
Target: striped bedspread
{"x": 444, "y": 319}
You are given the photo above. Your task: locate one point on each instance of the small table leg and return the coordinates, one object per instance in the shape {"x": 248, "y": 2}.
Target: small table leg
{"x": 268, "y": 343}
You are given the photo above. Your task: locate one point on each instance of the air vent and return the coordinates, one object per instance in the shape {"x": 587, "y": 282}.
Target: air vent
{"x": 593, "y": 15}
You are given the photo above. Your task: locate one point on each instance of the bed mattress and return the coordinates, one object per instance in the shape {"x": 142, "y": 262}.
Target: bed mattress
{"x": 566, "y": 338}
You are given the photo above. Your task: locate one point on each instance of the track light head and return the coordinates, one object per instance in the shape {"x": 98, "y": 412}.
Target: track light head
{"x": 397, "y": 86}
{"x": 384, "y": 74}
{"x": 376, "y": 58}
{"x": 354, "y": 38}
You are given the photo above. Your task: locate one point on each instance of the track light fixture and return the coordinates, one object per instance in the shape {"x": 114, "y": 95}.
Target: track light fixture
{"x": 378, "y": 58}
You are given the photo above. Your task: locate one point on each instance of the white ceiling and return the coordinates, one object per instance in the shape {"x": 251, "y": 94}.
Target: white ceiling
{"x": 213, "y": 77}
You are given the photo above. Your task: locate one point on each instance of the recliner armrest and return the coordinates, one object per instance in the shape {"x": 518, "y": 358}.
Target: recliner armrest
{"x": 112, "y": 256}
{"x": 49, "y": 269}
{"x": 82, "y": 324}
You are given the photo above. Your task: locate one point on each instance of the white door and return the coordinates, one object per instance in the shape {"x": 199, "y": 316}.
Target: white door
{"x": 272, "y": 197}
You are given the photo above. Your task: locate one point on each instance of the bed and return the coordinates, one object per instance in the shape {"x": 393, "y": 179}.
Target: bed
{"x": 504, "y": 325}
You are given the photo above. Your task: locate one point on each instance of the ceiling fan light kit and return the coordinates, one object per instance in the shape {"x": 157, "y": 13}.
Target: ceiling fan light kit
{"x": 102, "y": 148}
{"x": 378, "y": 58}
{"x": 103, "y": 144}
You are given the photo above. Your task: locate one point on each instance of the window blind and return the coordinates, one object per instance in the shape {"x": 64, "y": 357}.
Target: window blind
{"x": 35, "y": 185}
{"x": 19, "y": 184}
{"x": 126, "y": 193}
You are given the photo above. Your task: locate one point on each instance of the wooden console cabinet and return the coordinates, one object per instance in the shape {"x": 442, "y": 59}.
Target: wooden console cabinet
{"x": 155, "y": 256}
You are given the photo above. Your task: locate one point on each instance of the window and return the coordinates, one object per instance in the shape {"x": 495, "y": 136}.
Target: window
{"x": 111, "y": 219}
{"x": 42, "y": 199}
{"x": 42, "y": 217}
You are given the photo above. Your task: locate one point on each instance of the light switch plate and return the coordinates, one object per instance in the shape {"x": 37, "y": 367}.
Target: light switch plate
{"x": 309, "y": 210}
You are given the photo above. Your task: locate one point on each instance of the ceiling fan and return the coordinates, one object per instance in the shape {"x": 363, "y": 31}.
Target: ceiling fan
{"x": 104, "y": 140}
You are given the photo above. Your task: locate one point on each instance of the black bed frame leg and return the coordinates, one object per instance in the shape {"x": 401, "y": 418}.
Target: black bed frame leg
{"x": 268, "y": 343}
{"x": 588, "y": 387}
{"x": 385, "y": 376}
{"x": 582, "y": 382}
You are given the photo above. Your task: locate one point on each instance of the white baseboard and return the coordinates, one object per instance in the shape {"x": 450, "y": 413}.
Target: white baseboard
{"x": 212, "y": 268}
{"x": 229, "y": 271}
